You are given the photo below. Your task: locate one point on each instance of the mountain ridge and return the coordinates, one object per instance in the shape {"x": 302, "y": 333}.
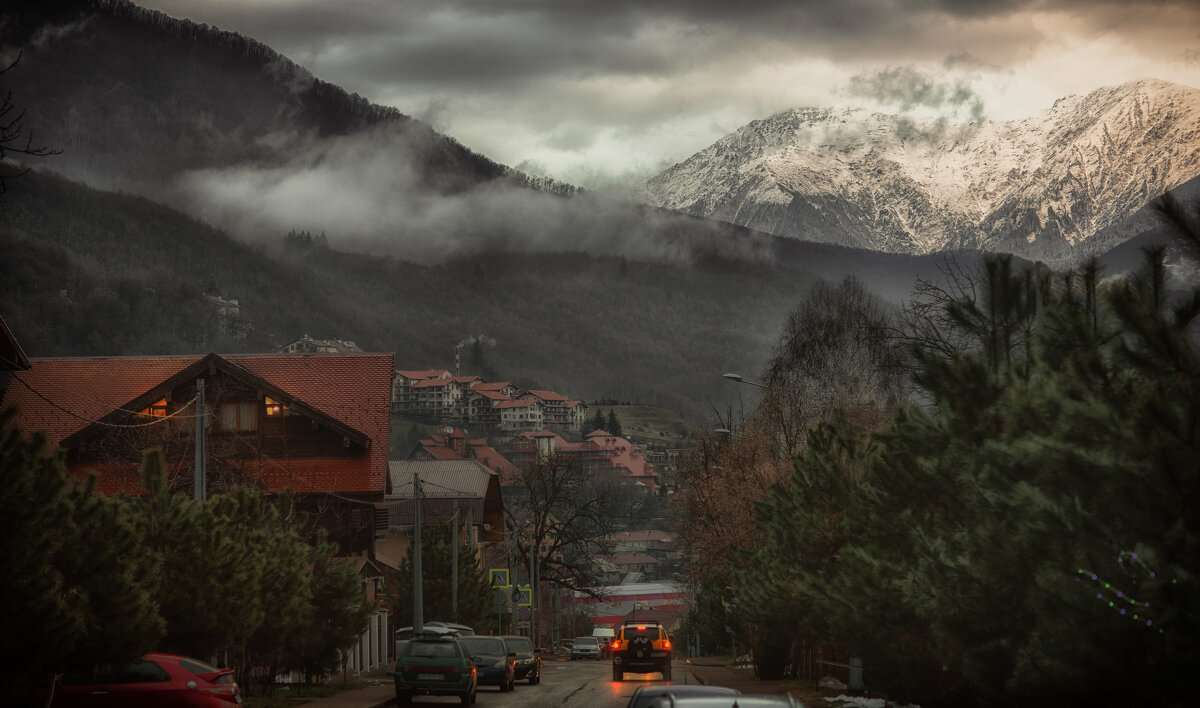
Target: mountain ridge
{"x": 1038, "y": 187}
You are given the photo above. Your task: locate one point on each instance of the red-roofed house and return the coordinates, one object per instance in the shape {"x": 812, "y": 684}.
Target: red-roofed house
{"x": 522, "y": 414}
{"x": 314, "y": 425}
{"x": 404, "y": 398}
{"x": 600, "y": 451}
{"x": 453, "y": 444}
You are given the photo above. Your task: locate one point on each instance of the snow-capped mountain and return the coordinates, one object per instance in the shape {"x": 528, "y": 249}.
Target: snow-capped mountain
{"x": 1039, "y": 187}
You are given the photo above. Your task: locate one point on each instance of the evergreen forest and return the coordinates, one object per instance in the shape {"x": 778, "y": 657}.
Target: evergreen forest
{"x": 1018, "y": 527}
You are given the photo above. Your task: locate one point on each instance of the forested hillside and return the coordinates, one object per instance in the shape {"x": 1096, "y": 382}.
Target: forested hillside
{"x": 96, "y": 273}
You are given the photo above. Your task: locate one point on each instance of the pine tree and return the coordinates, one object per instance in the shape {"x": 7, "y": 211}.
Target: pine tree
{"x": 614, "y": 424}
{"x": 475, "y": 595}
{"x": 74, "y": 587}
{"x": 957, "y": 556}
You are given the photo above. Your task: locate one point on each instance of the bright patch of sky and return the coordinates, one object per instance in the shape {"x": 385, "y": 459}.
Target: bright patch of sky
{"x": 608, "y": 93}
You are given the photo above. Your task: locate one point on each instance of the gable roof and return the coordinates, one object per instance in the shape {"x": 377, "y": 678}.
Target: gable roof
{"x": 490, "y": 395}
{"x": 349, "y": 393}
{"x": 547, "y": 395}
{"x": 442, "y": 479}
{"x": 12, "y": 357}
{"x": 418, "y": 374}
{"x": 519, "y": 403}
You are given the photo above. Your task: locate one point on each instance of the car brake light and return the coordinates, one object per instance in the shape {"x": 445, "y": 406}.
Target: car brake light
{"x": 641, "y": 628}
{"x": 616, "y": 644}
{"x": 221, "y": 690}
{"x": 666, "y": 644}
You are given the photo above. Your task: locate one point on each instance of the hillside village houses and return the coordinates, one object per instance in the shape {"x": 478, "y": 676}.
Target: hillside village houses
{"x": 314, "y": 426}
{"x": 470, "y": 400}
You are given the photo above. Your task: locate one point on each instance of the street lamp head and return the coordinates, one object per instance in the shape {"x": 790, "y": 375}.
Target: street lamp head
{"x": 722, "y": 431}
{"x": 734, "y": 377}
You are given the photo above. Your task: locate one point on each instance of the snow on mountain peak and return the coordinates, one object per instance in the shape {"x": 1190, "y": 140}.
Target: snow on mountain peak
{"x": 1039, "y": 186}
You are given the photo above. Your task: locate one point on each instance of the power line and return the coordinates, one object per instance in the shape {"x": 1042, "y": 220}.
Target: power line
{"x": 156, "y": 421}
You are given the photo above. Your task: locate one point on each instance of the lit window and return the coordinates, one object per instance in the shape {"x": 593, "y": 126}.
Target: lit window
{"x": 158, "y": 409}
{"x": 275, "y": 408}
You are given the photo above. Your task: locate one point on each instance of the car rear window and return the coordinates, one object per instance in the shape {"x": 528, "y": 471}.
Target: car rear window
{"x": 632, "y": 632}
{"x": 198, "y": 667}
{"x": 519, "y": 644}
{"x": 431, "y": 650}
{"x": 484, "y": 645}
{"x": 142, "y": 672}
{"x": 582, "y": 641}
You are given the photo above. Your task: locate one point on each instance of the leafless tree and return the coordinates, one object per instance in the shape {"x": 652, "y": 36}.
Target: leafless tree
{"x": 567, "y": 512}
{"x": 13, "y": 138}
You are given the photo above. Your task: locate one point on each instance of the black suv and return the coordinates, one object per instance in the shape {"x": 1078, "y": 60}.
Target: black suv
{"x": 641, "y": 647}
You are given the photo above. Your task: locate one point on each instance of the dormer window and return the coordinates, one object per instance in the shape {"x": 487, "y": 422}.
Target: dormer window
{"x": 275, "y": 409}
{"x": 158, "y": 409}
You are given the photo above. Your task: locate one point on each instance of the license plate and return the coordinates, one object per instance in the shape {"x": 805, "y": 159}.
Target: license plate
{"x": 430, "y": 677}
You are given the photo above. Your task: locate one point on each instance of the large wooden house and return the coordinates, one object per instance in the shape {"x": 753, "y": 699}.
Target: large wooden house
{"x": 314, "y": 428}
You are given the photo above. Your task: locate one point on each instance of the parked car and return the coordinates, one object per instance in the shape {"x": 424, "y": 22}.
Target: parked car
{"x": 529, "y": 660}
{"x": 435, "y": 665}
{"x": 494, "y": 661}
{"x": 405, "y": 633}
{"x": 641, "y": 647}
{"x": 670, "y": 700}
{"x": 156, "y": 680}
{"x": 585, "y": 648}
{"x": 647, "y": 696}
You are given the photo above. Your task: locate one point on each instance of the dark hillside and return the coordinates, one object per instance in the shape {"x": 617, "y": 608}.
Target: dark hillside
{"x": 132, "y": 96}
{"x": 88, "y": 272}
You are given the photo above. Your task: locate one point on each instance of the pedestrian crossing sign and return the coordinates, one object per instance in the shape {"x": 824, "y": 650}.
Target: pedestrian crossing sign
{"x": 499, "y": 577}
{"x": 523, "y": 597}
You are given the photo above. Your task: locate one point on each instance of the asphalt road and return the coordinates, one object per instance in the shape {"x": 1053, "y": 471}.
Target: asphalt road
{"x": 582, "y": 684}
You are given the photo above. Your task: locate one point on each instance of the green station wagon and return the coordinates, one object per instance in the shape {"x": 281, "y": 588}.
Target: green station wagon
{"x": 435, "y": 666}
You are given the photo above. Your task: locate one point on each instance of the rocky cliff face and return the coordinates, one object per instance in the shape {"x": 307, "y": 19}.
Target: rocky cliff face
{"x": 1038, "y": 187}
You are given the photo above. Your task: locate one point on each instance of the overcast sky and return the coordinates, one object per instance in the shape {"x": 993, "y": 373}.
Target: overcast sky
{"x": 601, "y": 91}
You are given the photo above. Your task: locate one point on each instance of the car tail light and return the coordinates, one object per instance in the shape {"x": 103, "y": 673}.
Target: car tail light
{"x": 226, "y": 690}
{"x": 616, "y": 644}
{"x": 666, "y": 644}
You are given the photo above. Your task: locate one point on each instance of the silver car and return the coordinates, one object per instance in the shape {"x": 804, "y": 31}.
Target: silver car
{"x": 585, "y": 648}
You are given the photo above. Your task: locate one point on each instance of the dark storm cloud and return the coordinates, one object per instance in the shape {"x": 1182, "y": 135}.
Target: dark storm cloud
{"x": 495, "y": 43}
{"x": 617, "y": 85}
{"x": 906, "y": 88}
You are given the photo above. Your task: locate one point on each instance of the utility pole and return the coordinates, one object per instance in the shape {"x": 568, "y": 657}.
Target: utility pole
{"x": 198, "y": 476}
{"x": 418, "y": 602}
{"x": 533, "y": 593}
{"x": 454, "y": 563}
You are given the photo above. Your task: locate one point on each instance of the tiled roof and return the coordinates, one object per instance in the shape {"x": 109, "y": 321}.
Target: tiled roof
{"x": 440, "y": 452}
{"x": 491, "y": 395}
{"x": 494, "y": 386}
{"x": 521, "y": 403}
{"x": 63, "y": 397}
{"x": 547, "y": 395}
{"x": 431, "y": 383}
{"x": 423, "y": 373}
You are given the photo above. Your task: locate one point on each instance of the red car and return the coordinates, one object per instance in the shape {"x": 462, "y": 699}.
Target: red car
{"x": 155, "y": 681}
